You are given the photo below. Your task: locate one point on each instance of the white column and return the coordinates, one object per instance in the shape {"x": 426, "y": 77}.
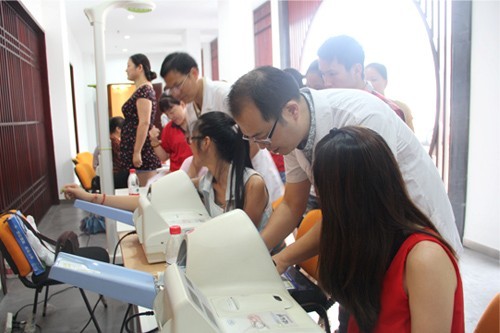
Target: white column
{"x": 482, "y": 227}
{"x": 54, "y": 14}
{"x": 192, "y": 44}
{"x": 207, "y": 59}
{"x": 236, "y": 39}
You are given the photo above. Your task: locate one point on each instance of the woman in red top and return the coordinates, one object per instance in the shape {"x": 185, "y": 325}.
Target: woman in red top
{"x": 173, "y": 143}
{"x": 380, "y": 256}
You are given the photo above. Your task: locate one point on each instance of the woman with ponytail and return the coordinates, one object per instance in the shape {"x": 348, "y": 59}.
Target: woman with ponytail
{"x": 139, "y": 112}
{"x": 230, "y": 182}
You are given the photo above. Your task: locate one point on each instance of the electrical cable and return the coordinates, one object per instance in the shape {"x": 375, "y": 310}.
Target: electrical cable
{"x": 117, "y": 244}
{"x": 125, "y": 317}
{"x": 48, "y": 299}
{"x": 146, "y": 313}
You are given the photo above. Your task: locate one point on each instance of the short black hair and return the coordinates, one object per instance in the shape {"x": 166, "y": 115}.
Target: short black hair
{"x": 166, "y": 102}
{"x": 314, "y": 68}
{"x": 381, "y": 69}
{"x": 345, "y": 49}
{"x": 177, "y": 61}
{"x": 297, "y": 76}
{"x": 116, "y": 122}
{"x": 269, "y": 88}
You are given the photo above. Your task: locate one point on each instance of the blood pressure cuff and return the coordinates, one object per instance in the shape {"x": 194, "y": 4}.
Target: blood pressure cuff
{"x": 12, "y": 247}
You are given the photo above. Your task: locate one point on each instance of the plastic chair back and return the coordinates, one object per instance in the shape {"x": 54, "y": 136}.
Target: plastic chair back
{"x": 85, "y": 173}
{"x": 312, "y": 217}
{"x": 490, "y": 320}
{"x": 85, "y": 157}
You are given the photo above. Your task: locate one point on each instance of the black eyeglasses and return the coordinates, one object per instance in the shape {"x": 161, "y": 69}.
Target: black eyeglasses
{"x": 267, "y": 140}
{"x": 189, "y": 139}
{"x": 178, "y": 86}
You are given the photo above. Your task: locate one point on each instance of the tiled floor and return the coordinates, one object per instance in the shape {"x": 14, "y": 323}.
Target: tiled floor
{"x": 66, "y": 311}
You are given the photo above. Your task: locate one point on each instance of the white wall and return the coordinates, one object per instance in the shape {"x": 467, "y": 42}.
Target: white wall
{"x": 236, "y": 45}
{"x": 482, "y": 221}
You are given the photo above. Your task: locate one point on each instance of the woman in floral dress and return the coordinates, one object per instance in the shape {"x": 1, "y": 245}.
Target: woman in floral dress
{"x": 139, "y": 111}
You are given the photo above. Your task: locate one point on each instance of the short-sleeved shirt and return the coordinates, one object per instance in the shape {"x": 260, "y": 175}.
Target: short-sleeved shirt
{"x": 336, "y": 108}
{"x": 173, "y": 141}
{"x": 129, "y": 131}
{"x": 214, "y": 99}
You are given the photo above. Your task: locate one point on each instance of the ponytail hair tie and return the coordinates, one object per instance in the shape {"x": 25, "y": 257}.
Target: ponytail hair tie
{"x": 333, "y": 132}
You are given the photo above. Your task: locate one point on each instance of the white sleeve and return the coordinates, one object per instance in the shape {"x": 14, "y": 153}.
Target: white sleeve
{"x": 294, "y": 172}
{"x": 385, "y": 127}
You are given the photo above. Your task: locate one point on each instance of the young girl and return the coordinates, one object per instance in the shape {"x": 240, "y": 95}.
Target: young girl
{"x": 230, "y": 183}
{"x": 380, "y": 256}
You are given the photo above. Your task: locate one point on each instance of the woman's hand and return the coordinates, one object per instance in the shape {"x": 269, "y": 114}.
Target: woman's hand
{"x": 154, "y": 133}
{"x": 74, "y": 191}
{"x": 137, "y": 160}
{"x": 280, "y": 264}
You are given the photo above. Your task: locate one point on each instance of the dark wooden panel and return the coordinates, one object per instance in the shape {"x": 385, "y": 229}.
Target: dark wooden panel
{"x": 263, "y": 35}
{"x": 27, "y": 167}
{"x": 300, "y": 16}
{"x": 214, "y": 50}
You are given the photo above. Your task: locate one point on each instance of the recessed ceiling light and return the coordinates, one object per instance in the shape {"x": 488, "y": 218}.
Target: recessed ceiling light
{"x": 130, "y": 16}
{"x": 126, "y": 37}
{"x": 125, "y": 50}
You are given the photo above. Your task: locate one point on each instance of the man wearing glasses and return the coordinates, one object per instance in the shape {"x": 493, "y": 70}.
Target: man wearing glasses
{"x": 272, "y": 112}
{"x": 201, "y": 95}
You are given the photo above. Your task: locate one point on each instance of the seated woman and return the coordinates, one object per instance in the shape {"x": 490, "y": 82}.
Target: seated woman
{"x": 173, "y": 143}
{"x": 230, "y": 183}
{"x": 380, "y": 256}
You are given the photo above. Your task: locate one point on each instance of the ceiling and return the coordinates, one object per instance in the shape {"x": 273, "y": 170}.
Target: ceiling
{"x": 160, "y": 31}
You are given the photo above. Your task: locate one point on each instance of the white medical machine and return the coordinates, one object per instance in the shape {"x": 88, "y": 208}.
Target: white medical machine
{"x": 225, "y": 281}
{"x": 171, "y": 200}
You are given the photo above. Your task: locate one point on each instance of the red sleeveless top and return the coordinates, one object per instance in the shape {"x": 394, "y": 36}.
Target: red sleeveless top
{"x": 394, "y": 307}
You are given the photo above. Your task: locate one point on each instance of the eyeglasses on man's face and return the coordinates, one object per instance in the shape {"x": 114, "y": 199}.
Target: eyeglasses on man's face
{"x": 178, "y": 86}
{"x": 267, "y": 140}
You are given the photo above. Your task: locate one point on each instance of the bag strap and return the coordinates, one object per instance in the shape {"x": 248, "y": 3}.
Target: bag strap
{"x": 35, "y": 232}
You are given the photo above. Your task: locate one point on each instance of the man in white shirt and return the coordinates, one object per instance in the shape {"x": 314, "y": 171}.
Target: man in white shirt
{"x": 201, "y": 95}
{"x": 271, "y": 111}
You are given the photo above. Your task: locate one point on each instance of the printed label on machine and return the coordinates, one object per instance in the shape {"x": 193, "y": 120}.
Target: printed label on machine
{"x": 263, "y": 321}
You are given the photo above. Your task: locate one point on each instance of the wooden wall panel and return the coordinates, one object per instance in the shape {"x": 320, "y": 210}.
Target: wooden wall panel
{"x": 263, "y": 35}
{"x": 300, "y": 15}
{"x": 27, "y": 167}
{"x": 214, "y": 50}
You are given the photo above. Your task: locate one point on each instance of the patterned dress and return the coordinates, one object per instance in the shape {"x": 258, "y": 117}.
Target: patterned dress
{"x": 129, "y": 130}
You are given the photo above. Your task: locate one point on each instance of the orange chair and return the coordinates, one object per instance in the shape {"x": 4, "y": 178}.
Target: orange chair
{"x": 85, "y": 173}
{"x": 276, "y": 202}
{"x": 490, "y": 320}
{"x": 84, "y": 157}
{"x": 310, "y": 297}
{"x": 312, "y": 217}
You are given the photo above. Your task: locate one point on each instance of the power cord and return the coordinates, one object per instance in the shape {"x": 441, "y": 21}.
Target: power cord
{"x": 31, "y": 304}
{"x": 129, "y": 307}
{"x": 117, "y": 244}
{"x": 146, "y": 313}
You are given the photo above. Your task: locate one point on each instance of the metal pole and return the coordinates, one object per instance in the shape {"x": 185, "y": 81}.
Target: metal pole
{"x": 97, "y": 19}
